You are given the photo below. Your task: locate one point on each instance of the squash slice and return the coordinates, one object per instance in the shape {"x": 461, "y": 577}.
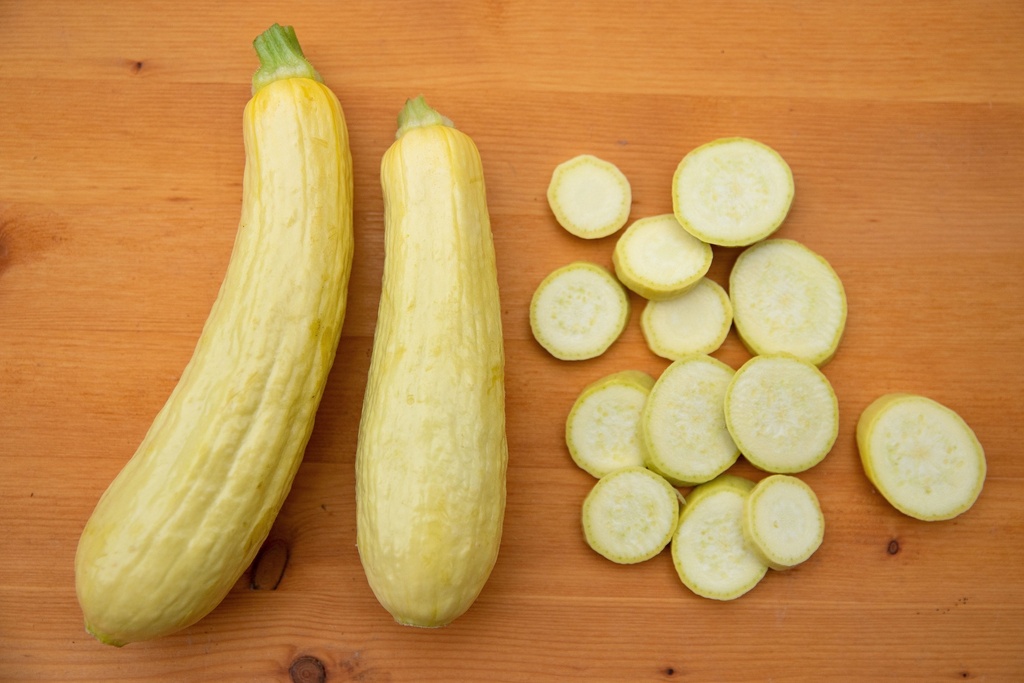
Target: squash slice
{"x": 787, "y": 299}
{"x": 696, "y": 321}
{"x": 603, "y": 428}
{"x": 921, "y": 456}
{"x": 578, "y": 311}
{"x": 656, "y": 258}
{"x": 590, "y": 197}
{"x": 782, "y": 413}
{"x": 630, "y": 515}
{"x": 686, "y": 439}
{"x": 732, "y": 192}
{"x": 782, "y": 521}
{"x": 710, "y": 553}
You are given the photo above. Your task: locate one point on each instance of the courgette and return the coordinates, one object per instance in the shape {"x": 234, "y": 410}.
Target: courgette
{"x": 431, "y": 453}
{"x": 185, "y": 517}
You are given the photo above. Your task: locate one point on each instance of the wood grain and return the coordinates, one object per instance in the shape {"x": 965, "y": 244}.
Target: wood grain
{"x": 120, "y": 184}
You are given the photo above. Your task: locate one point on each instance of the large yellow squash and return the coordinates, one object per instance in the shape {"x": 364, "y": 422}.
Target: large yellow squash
{"x": 431, "y": 457}
{"x": 185, "y": 517}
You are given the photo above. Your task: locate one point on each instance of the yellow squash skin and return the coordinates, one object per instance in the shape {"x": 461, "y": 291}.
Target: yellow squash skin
{"x": 185, "y": 517}
{"x": 432, "y": 454}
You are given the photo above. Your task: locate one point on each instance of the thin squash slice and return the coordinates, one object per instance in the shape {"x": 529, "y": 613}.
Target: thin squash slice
{"x": 187, "y": 514}
{"x": 732, "y": 191}
{"x": 656, "y": 258}
{"x": 578, "y": 311}
{"x": 694, "y": 322}
{"x": 590, "y": 197}
{"x": 782, "y": 521}
{"x": 787, "y": 299}
{"x": 603, "y": 427}
{"x": 782, "y": 413}
{"x": 432, "y": 454}
{"x": 686, "y": 439}
{"x": 630, "y": 515}
{"x": 921, "y": 456}
{"x": 709, "y": 550}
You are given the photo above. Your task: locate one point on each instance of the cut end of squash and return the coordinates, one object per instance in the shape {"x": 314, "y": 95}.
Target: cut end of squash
{"x": 590, "y": 197}
{"x": 732, "y": 192}
{"x": 921, "y": 456}
{"x": 578, "y": 311}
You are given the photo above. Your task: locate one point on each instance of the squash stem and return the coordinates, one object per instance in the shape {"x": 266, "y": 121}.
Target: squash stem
{"x": 280, "y": 57}
{"x": 417, "y": 113}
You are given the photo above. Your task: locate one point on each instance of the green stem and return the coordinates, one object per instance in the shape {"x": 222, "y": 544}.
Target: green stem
{"x": 280, "y": 57}
{"x": 417, "y": 113}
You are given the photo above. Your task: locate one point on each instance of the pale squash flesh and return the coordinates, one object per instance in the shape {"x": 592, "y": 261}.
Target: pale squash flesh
{"x": 432, "y": 453}
{"x": 187, "y": 514}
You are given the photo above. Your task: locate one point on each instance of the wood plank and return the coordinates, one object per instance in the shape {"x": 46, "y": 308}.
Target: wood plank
{"x": 120, "y": 184}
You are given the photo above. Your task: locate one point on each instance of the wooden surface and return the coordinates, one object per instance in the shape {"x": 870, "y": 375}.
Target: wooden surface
{"x": 120, "y": 184}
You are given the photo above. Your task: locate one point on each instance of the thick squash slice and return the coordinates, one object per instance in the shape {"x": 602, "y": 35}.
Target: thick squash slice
{"x": 431, "y": 457}
{"x": 921, "y": 456}
{"x": 709, "y": 550}
{"x": 187, "y": 514}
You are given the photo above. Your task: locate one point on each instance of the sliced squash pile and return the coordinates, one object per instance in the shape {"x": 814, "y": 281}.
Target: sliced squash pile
{"x": 643, "y": 437}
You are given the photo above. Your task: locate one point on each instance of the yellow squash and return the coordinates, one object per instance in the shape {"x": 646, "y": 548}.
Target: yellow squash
{"x": 185, "y": 517}
{"x": 431, "y": 457}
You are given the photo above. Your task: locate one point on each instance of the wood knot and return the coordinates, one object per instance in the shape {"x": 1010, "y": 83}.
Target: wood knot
{"x": 307, "y": 669}
{"x": 269, "y": 565}
{"x": 894, "y": 547}
{"x": 26, "y": 237}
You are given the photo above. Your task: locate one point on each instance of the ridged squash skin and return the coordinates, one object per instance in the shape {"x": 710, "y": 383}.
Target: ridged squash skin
{"x": 185, "y": 517}
{"x": 432, "y": 453}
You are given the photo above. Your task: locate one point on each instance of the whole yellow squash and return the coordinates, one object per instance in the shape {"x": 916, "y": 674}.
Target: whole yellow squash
{"x": 432, "y": 453}
{"x": 187, "y": 514}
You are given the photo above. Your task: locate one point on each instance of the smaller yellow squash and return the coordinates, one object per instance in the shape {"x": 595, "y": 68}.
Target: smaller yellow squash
{"x": 431, "y": 458}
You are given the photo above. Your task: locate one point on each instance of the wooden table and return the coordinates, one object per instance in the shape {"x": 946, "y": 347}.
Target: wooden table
{"x": 120, "y": 184}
